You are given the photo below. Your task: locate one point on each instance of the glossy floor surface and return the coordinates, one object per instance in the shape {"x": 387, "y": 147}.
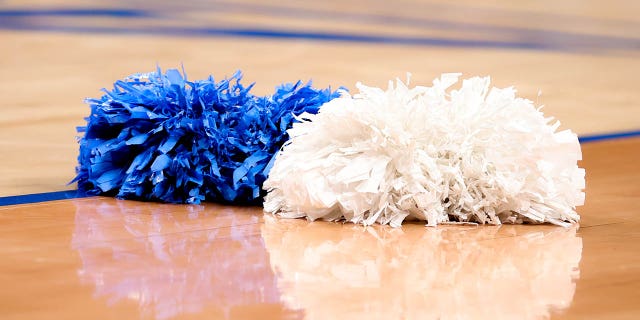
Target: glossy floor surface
{"x": 101, "y": 258}
{"x": 117, "y": 259}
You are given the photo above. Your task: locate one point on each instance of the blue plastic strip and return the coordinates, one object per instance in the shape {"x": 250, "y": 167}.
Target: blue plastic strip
{"x": 609, "y": 136}
{"x": 40, "y": 197}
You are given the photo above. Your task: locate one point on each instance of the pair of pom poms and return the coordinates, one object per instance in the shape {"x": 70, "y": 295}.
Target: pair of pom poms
{"x": 472, "y": 154}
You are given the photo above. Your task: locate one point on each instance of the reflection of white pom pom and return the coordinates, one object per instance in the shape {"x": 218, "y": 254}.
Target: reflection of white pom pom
{"x": 469, "y": 155}
{"x": 505, "y": 272}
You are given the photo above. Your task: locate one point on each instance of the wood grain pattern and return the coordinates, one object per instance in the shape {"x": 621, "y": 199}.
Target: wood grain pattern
{"x": 108, "y": 259}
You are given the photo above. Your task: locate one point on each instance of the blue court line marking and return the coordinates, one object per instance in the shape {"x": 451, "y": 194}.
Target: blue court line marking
{"x": 283, "y": 34}
{"x": 75, "y": 194}
{"x": 96, "y": 12}
{"x": 523, "y": 38}
{"x": 40, "y": 197}
{"x": 425, "y": 8}
{"x": 559, "y": 39}
{"x": 609, "y": 136}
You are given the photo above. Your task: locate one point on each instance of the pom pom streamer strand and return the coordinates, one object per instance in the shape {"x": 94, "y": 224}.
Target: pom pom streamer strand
{"x": 476, "y": 154}
{"x": 159, "y": 137}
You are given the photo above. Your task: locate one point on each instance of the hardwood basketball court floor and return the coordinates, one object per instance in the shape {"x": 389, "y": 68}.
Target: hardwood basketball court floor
{"x": 66, "y": 257}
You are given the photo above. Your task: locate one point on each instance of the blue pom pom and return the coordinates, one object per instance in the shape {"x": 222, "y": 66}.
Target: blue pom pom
{"x": 160, "y": 137}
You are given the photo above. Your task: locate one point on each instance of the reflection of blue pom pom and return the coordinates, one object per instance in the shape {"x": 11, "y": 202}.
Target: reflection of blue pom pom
{"x": 160, "y": 137}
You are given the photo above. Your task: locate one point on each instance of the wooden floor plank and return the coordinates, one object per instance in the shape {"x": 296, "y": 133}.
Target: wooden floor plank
{"x": 108, "y": 259}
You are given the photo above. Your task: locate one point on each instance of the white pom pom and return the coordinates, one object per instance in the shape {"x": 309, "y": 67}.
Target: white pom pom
{"x": 469, "y": 155}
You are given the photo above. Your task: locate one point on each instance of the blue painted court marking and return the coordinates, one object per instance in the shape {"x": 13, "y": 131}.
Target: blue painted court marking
{"x": 609, "y": 136}
{"x": 427, "y": 12}
{"x": 560, "y": 39}
{"x": 282, "y": 34}
{"x": 40, "y": 197}
{"x": 97, "y": 12}
{"x": 74, "y": 194}
{"x": 507, "y": 37}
